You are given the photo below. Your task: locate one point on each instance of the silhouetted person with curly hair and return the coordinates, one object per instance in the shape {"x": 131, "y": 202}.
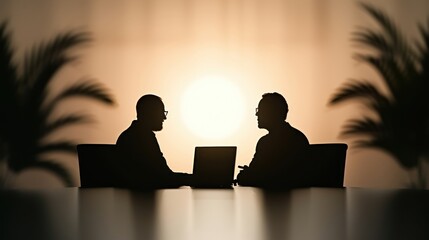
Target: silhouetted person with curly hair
{"x": 279, "y": 155}
{"x": 141, "y": 162}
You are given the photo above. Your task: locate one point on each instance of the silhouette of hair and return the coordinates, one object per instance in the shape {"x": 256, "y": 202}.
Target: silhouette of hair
{"x": 147, "y": 103}
{"x": 277, "y": 103}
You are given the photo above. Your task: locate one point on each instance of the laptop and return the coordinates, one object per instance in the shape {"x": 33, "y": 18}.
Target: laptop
{"x": 214, "y": 167}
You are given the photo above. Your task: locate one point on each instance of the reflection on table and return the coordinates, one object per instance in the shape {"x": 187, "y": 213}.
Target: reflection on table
{"x": 239, "y": 213}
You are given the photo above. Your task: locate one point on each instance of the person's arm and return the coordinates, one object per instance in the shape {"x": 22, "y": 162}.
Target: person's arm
{"x": 141, "y": 163}
{"x": 274, "y": 165}
{"x": 256, "y": 173}
{"x": 167, "y": 177}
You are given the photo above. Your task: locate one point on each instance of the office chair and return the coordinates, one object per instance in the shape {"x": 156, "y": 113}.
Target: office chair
{"x": 326, "y": 164}
{"x": 96, "y": 165}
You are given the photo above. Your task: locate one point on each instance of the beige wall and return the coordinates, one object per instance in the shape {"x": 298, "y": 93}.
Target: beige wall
{"x": 301, "y": 49}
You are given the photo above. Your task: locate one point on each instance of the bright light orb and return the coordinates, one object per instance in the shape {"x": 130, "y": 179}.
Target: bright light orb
{"x": 212, "y": 108}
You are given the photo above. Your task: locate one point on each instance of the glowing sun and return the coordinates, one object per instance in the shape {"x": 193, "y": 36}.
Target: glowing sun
{"x": 212, "y": 107}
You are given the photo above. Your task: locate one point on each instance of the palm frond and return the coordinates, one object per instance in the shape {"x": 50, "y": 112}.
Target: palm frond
{"x": 424, "y": 34}
{"x": 26, "y": 112}
{"x": 7, "y": 67}
{"x": 64, "y": 121}
{"x": 386, "y": 23}
{"x": 21, "y": 153}
{"x": 58, "y": 146}
{"x": 365, "y": 126}
{"x": 400, "y": 125}
{"x": 55, "y": 168}
{"x": 367, "y": 132}
{"x": 424, "y": 49}
{"x": 392, "y": 74}
{"x": 36, "y": 59}
{"x": 86, "y": 88}
{"x": 391, "y": 32}
{"x": 396, "y": 52}
{"x": 8, "y": 89}
{"x": 363, "y": 143}
{"x": 41, "y": 65}
{"x": 357, "y": 90}
{"x": 373, "y": 40}
{"x": 36, "y": 94}
{"x": 406, "y": 155}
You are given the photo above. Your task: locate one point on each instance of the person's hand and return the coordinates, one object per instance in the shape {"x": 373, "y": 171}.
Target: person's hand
{"x": 244, "y": 167}
{"x": 235, "y": 182}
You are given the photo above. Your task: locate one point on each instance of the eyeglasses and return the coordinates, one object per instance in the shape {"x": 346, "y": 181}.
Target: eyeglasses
{"x": 256, "y": 110}
{"x": 165, "y": 113}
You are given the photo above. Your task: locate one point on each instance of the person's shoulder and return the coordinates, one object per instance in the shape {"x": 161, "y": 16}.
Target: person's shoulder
{"x": 297, "y": 133}
{"x": 132, "y": 133}
{"x": 123, "y": 136}
{"x": 264, "y": 138}
{"x": 291, "y": 128}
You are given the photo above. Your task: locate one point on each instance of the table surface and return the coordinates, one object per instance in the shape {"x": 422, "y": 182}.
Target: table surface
{"x": 239, "y": 213}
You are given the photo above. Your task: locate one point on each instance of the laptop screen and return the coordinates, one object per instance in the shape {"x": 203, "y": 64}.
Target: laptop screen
{"x": 214, "y": 166}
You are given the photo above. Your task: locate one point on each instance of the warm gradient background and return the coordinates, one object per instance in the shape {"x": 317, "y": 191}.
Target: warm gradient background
{"x": 299, "y": 48}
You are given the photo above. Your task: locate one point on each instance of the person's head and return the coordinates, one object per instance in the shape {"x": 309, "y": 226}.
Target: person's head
{"x": 151, "y": 111}
{"x": 272, "y": 110}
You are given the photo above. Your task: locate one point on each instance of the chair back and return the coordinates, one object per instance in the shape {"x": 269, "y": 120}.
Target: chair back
{"x": 96, "y": 164}
{"x": 327, "y": 164}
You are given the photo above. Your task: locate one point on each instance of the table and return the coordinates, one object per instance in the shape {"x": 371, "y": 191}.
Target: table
{"x": 239, "y": 213}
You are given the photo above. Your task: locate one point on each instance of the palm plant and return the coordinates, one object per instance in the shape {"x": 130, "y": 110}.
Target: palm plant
{"x": 27, "y": 107}
{"x": 398, "y": 122}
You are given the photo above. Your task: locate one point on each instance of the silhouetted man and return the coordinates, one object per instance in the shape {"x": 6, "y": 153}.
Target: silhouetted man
{"x": 142, "y": 164}
{"x": 279, "y": 154}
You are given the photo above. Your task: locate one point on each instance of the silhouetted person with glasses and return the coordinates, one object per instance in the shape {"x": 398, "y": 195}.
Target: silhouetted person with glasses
{"x": 141, "y": 162}
{"x": 279, "y": 154}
